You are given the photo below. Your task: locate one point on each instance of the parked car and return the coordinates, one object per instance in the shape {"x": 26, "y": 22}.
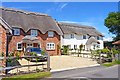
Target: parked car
{"x": 37, "y": 52}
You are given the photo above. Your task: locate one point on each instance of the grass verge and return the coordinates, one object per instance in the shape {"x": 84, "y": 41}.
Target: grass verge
{"x": 32, "y": 76}
{"x": 111, "y": 63}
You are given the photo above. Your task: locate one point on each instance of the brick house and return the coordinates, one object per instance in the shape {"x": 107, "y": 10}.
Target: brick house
{"x": 28, "y": 29}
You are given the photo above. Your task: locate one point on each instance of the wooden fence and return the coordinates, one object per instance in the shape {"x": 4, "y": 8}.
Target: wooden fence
{"x": 42, "y": 65}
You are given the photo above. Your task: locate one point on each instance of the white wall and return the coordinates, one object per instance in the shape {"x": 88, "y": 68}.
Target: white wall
{"x": 77, "y": 40}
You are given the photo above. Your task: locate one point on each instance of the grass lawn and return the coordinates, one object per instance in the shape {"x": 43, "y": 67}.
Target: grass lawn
{"x": 31, "y": 76}
{"x": 111, "y": 63}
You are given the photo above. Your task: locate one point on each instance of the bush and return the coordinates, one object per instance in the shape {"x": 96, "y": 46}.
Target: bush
{"x": 2, "y": 54}
{"x": 65, "y": 49}
{"x": 106, "y": 50}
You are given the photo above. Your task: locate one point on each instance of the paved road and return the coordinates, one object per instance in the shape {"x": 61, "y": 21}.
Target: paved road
{"x": 89, "y": 72}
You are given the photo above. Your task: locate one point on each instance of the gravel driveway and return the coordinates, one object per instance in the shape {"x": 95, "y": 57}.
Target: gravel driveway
{"x": 65, "y": 62}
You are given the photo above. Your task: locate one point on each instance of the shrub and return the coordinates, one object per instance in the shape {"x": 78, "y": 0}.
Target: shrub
{"x": 2, "y": 54}
{"x": 106, "y": 50}
{"x": 65, "y": 49}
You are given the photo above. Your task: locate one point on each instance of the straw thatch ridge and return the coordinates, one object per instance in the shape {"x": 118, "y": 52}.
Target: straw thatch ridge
{"x": 68, "y": 28}
{"x": 29, "y": 20}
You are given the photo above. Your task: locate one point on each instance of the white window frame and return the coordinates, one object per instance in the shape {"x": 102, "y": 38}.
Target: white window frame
{"x": 48, "y": 47}
{"x": 16, "y": 31}
{"x": 50, "y": 34}
{"x": 34, "y": 32}
{"x": 72, "y": 36}
{"x": 18, "y": 44}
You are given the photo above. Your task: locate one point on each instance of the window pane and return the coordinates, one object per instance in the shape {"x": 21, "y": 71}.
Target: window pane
{"x": 19, "y": 46}
{"x": 34, "y": 33}
{"x": 50, "y": 34}
{"x": 72, "y": 35}
{"x": 50, "y": 46}
{"x": 16, "y": 31}
{"x": 84, "y": 36}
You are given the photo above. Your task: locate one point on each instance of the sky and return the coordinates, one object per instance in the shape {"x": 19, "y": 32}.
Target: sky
{"x": 85, "y": 13}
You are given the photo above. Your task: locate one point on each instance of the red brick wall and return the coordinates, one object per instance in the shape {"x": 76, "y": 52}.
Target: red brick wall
{"x": 14, "y": 40}
{"x": 2, "y": 39}
{"x": 2, "y": 43}
{"x": 43, "y": 38}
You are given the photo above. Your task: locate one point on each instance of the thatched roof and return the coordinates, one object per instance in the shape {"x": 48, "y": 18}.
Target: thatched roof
{"x": 92, "y": 40}
{"x": 29, "y": 20}
{"x": 78, "y": 29}
{"x": 117, "y": 42}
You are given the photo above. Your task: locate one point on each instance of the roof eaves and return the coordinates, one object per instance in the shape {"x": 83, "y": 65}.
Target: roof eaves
{"x": 6, "y": 25}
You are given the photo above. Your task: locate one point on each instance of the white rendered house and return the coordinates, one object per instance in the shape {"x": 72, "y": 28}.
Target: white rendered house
{"x": 74, "y": 35}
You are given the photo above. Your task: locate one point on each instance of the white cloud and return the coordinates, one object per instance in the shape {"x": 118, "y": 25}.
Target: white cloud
{"x": 59, "y": 7}
{"x": 63, "y": 6}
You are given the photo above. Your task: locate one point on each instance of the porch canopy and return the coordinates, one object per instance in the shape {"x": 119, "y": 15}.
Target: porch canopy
{"x": 117, "y": 42}
{"x": 92, "y": 40}
{"x": 30, "y": 39}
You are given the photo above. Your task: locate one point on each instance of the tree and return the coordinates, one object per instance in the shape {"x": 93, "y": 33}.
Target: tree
{"x": 65, "y": 49}
{"x": 80, "y": 49}
{"x": 114, "y": 52}
{"x": 112, "y": 22}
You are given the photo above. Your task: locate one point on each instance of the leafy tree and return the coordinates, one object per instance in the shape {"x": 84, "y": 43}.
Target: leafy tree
{"x": 112, "y": 22}
{"x": 80, "y": 48}
{"x": 114, "y": 52}
{"x": 65, "y": 49}
{"x": 105, "y": 50}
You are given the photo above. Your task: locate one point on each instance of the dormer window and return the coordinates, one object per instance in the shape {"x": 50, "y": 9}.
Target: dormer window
{"x": 34, "y": 33}
{"x": 50, "y": 34}
{"x": 16, "y": 31}
{"x": 72, "y": 36}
